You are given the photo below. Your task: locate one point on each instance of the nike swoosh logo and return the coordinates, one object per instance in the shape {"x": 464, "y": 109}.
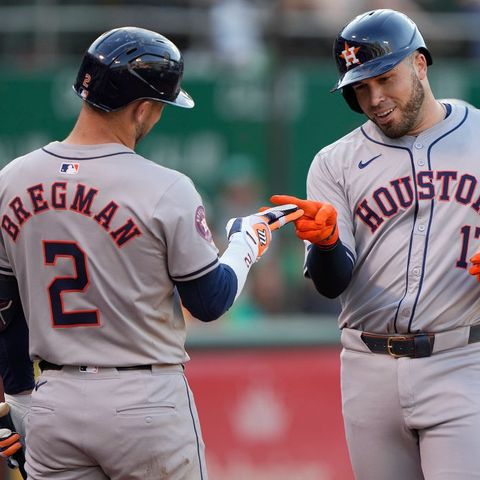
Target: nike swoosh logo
{"x": 364, "y": 164}
{"x": 39, "y": 384}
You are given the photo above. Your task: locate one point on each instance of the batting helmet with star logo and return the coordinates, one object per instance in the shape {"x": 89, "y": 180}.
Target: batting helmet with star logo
{"x": 372, "y": 44}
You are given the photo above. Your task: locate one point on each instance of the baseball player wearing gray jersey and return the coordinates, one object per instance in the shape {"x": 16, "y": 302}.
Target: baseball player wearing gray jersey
{"x": 104, "y": 244}
{"x": 391, "y": 221}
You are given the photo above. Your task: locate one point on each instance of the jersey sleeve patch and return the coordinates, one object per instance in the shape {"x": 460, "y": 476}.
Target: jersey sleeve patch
{"x": 201, "y": 224}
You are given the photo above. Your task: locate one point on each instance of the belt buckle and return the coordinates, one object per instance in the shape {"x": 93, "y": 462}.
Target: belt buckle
{"x": 390, "y": 342}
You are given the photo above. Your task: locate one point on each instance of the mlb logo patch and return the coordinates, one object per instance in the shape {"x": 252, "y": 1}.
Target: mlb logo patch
{"x": 69, "y": 168}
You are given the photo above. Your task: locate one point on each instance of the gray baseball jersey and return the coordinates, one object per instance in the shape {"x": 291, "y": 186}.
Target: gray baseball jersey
{"x": 96, "y": 236}
{"x": 408, "y": 213}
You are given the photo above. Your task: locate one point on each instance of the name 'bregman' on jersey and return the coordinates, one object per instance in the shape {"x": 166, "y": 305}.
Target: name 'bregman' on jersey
{"x": 408, "y": 211}
{"x": 103, "y": 234}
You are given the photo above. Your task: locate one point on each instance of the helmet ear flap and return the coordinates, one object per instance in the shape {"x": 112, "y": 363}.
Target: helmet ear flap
{"x": 350, "y": 97}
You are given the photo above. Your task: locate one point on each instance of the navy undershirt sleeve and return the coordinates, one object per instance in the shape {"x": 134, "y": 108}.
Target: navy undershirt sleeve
{"x": 210, "y": 296}
{"x": 330, "y": 270}
{"x": 16, "y": 368}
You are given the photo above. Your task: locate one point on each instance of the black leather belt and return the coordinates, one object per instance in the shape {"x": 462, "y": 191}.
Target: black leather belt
{"x": 416, "y": 345}
{"x": 44, "y": 365}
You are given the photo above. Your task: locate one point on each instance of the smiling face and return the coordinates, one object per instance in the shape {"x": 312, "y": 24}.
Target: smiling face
{"x": 395, "y": 100}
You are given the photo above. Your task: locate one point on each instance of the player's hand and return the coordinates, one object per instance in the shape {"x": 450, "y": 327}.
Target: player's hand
{"x": 253, "y": 231}
{"x": 475, "y": 268}
{"x": 277, "y": 217}
{"x": 9, "y": 444}
{"x": 317, "y": 225}
{"x": 11, "y": 441}
{"x": 256, "y": 229}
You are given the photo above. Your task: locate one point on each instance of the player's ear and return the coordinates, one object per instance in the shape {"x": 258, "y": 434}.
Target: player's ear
{"x": 141, "y": 110}
{"x": 420, "y": 64}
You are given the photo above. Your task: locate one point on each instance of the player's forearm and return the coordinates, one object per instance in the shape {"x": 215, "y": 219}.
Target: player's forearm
{"x": 16, "y": 368}
{"x": 330, "y": 270}
{"x": 209, "y": 297}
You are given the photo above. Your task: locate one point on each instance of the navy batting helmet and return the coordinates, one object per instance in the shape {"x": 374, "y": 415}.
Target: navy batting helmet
{"x": 130, "y": 63}
{"x": 372, "y": 44}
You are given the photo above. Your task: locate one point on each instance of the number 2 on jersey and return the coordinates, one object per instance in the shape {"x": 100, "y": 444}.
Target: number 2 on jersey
{"x": 76, "y": 283}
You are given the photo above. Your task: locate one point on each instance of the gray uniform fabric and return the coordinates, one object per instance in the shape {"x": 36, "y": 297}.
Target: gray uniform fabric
{"x": 96, "y": 236}
{"x": 408, "y": 214}
{"x": 106, "y": 424}
{"x": 129, "y": 293}
{"x": 403, "y": 248}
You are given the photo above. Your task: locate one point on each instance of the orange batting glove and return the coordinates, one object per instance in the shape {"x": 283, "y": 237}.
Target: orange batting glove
{"x": 475, "y": 268}
{"x": 318, "y": 224}
{"x": 9, "y": 442}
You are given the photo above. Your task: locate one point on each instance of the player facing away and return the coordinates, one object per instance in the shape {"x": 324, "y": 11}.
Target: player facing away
{"x": 104, "y": 244}
{"x": 391, "y": 220}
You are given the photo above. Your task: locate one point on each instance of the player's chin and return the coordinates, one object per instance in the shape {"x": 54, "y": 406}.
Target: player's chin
{"x": 391, "y": 128}
{"x": 391, "y": 131}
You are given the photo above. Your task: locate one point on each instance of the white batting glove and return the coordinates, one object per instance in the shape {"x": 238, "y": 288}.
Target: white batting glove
{"x": 256, "y": 229}
{"x": 280, "y": 215}
{"x": 249, "y": 238}
{"x": 253, "y": 231}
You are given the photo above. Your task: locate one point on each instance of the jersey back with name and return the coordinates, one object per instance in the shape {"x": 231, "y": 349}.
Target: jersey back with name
{"x": 96, "y": 237}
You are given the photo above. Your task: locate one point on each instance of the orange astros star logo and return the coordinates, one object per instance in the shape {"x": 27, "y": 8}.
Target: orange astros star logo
{"x": 350, "y": 55}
